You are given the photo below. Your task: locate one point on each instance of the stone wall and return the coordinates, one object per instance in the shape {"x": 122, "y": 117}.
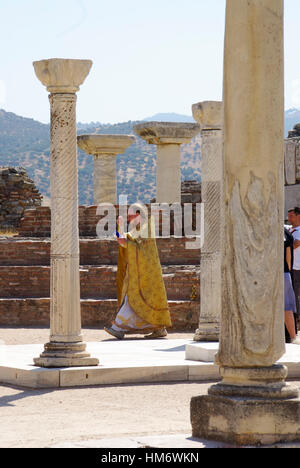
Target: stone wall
{"x": 190, "y": 191}
{"x": 25, "y": 281}
{"x": 25, "y": 271}
{"x": 17, "y": 193}
{"x": 30, "y": 252}
{"x": 36, "y": 222}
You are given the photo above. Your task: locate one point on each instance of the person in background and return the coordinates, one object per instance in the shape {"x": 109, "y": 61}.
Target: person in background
{"x": 294, "y": 220}
{"x": 142, "y": 299}
{"x": 289, "y": 296}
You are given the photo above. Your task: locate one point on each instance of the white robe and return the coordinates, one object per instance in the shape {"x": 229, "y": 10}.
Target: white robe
{"x": 127, "y": 319}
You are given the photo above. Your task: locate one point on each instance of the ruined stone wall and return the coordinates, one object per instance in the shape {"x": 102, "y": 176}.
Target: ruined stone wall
{"x": 29, "y": 252}
{"x": 25, "y": 272}
{"x": 190, "y": 191}
{"x": 37, "y": 222}
{"x": 17, "y": 193}
{"x": 25, "y": 281}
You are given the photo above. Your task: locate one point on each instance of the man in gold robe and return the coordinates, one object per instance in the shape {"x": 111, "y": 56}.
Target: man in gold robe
{"x": 142, "y": 299}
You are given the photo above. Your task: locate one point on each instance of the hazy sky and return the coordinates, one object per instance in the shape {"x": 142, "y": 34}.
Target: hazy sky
{"x": 148, "y": 56}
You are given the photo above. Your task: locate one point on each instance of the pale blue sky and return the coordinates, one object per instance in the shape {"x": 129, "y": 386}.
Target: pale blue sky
{"x": 149, "y": 56}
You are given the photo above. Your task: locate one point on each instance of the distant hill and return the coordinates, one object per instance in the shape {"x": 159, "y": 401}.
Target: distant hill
{"x": 170, "y": 117}
{"x": 25, "y": 142}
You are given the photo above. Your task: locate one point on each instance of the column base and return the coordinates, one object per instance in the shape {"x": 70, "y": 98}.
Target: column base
{"x": 207, "y": 332}
{"x": 245, "y": 421}
{"x": 65, "y": 355}
{"x": 249, "y": 407}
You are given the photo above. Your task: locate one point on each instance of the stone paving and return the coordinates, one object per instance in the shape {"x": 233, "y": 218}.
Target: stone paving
{"x": 125, "y": 362}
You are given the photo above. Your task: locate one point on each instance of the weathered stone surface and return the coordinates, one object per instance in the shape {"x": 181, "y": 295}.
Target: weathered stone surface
{"x": 168, "y": 137}
{"x": 105, "y": 148}
{"x": 209, "y": 114}
{"x": 25, "y": 281}
{"x": 62, "y": 78}
{"x": 182, "y": 282}
{"x": 62, "y": 75}
{"x": 105, "y": 144}
{"x": 252, "y": 293}
{"x": 252, "y": 404}
{"x": 290, "y": 162}
{"x": 210, "y": 117}
{"x": 245, "y": 421}
{"x": 37, "y": 222}
{"x": 17, "y": 193}
{"x": 157, "y": 133}
{"x": 36, "y": 252}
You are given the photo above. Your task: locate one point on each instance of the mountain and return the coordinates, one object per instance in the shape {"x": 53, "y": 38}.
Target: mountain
{"x": 25, "y": 142}
{"x": 170, "y": 117}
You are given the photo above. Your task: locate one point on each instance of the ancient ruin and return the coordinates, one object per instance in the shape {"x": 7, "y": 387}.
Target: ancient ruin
{"x": 66, "y": 347}
{"x": 253, "y": 404}
{"x": 105, "y": 148}
{"x": 292, "y": 169}
{"x": 17, "y": 193}
{"x": 210, "y": 117}
{"x": 168, "y": 137}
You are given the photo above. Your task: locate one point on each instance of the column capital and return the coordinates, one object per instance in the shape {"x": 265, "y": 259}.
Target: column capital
{"x": 164, "y": 133}
{"x": 62, "y": 75}
{"x": 105, "y": 144}
{"x": 209, "y": 114}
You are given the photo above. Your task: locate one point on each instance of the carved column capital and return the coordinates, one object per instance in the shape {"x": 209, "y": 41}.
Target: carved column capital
{"x": 62, "y": 75}
{"x": 209, "y": 114}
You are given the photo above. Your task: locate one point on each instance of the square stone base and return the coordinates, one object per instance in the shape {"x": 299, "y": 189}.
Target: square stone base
{"x": 245, "y": 421}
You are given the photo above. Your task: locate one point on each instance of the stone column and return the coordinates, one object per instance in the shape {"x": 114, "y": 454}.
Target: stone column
{"x": 253, "y": 404}
{"x": 168, "y": 137}
{"x": 209, "y": 114}
{"x": 66, "y": 347}
{"x": 105, "y": 148}
{"x": 292, "y": 169}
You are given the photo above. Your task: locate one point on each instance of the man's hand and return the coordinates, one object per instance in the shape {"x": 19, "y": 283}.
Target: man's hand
{"x": 122, "y": 241}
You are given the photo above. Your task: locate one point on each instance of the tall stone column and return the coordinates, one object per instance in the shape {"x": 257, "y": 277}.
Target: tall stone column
{"x": 209, "y": 115}
{"x": 168, "y": 137}
{"x": 105, "y": 148}
{"x": 66, "y": 347}
{"x": 253, "y": 403}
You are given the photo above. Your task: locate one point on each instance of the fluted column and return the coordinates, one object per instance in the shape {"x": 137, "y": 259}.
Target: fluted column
{"x": 105, "y": 149}
{"x": 253, "y": 404}
{"x": 209, "y": 115}
{"x": 168, "y": 137}
{"x": 66, "y": 347}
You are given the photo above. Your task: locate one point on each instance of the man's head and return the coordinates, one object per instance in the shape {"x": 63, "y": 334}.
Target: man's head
{"x": 133, "y": 215}
{"x": 294, "y": 216}
{"x": 137, "y": 213}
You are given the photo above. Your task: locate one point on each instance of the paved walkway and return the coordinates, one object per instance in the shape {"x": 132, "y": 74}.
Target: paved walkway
{"x": 120, "y": 362}
{"x": 118, "y": 415}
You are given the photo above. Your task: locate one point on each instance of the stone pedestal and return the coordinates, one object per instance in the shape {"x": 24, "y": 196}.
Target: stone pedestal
{"x": 168, "y": 137}
{"x": 66, "y": 347}
{"x": 209, "y": 115}
{"x": 252, "y": 404}
{"x": 105, "y": 148}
